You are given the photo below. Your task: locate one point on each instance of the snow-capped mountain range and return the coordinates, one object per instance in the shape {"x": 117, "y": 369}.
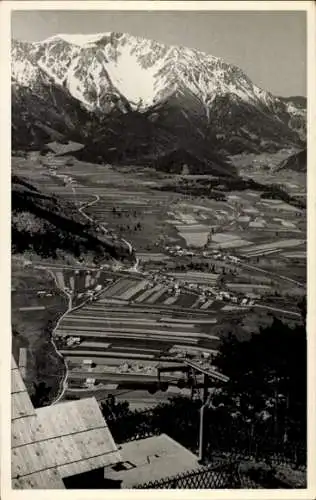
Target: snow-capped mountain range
{"x": 176, "y": 93}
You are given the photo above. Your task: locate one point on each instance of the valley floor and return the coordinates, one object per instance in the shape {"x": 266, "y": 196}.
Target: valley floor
{"x": 204, "y": 268}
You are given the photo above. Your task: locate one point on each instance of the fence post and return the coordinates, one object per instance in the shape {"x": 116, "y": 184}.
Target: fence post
{"x": 202, "y": 435}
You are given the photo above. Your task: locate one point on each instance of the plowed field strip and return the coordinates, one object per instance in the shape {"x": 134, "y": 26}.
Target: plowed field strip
{"x": 143, "y": 310}
{"x": 146, "y": 337}
{"x": 121, "y": 321}
{"x": 116, "y": 288}
{"x": 170, "y": 301}
{"x": 206, "y": 305}
{"x": 137, "y": 349}
{"x": 157, "y": 295}
{"x": 116, "y": 376}
{"x": 147, "y": 293}
{"x": 100, "y": 345}
{"x": 92, "y": 354}
{"x": 128, "y": 331}
{"x": 134, "y": 290}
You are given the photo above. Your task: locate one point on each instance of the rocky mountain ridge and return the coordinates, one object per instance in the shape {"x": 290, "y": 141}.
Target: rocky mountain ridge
{"x": 91, "y": 87}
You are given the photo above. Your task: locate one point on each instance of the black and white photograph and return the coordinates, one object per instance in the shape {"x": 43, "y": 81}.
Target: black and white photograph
{"x": 159, "y": 247}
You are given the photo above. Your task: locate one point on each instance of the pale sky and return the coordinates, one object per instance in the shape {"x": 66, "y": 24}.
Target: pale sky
{"x": 270, "y": 47}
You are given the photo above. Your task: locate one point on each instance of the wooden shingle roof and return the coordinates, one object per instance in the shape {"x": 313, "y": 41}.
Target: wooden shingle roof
{"x": 21, "y": 405}
{"x": 57, "y": 441}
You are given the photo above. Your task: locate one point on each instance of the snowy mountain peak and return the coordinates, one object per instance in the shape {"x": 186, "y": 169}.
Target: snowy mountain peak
{"x": 107, "y": 72}
{"x": 143, "y": 71}
{"x": 76, "y": 38}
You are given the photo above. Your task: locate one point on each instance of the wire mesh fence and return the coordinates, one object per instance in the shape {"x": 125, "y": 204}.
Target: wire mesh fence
{"x": 233, "y": 444}
{"x": 227, "y": 475}
{"x": 220, "y": 477}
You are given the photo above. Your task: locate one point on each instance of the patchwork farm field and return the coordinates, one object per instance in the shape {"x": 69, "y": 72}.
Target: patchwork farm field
{"x": 129, "y": 202}
{"x": 128, "y": 342}
{"x": 205, "y": 267}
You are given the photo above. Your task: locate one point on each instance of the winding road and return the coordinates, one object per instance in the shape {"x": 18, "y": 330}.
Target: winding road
{"x": 63, "y": 382}
{"x": 89, "y": 204}
{"x": 86, "y": 205}
{"x": 276, "y": 309}
{"x": 272, "y": 274}
{"x": 70, "y": 308}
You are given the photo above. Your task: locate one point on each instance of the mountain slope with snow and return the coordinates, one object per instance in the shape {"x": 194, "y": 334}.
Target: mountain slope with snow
{"x": 180, "y": 94}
